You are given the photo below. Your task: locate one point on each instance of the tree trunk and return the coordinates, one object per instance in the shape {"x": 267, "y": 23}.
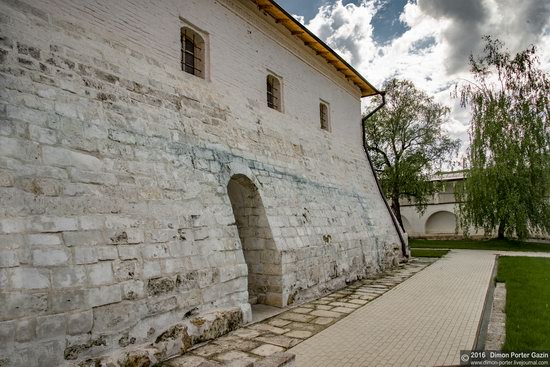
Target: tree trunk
{"x": 396, "y": 208}
{"x": 501, "y": 228}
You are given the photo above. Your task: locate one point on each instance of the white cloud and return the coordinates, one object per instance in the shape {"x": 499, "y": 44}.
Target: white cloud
{"x": 434, "y": 51}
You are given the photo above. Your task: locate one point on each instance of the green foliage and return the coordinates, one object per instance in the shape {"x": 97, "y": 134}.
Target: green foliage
{"x": 508, "y": 183}
{"x": 407, "y": 144}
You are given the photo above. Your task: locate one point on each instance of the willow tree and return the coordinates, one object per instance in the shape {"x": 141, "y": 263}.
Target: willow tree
{"x": 508, "y": 183}
{"x": 408, "y": 144}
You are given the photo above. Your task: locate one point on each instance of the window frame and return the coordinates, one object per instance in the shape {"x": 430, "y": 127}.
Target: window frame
{"x": 274, "y": 98}
{"x": 326, "y": 105}
{"x": 200, "y": 53}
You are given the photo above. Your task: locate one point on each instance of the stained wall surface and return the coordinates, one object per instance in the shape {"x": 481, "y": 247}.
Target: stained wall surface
{"x": 115, "y": 218}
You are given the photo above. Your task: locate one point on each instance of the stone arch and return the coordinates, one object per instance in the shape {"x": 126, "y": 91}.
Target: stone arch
{"x": 262, "y": 258}
{"x": 442, "y": 222}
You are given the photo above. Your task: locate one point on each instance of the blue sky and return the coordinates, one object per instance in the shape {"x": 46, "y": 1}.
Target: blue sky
{"x": 426, "y": 41}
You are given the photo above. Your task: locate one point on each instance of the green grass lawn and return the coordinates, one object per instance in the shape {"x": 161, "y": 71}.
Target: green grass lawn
{"x": 427, "y": 252}
{"x": 527, "y": 302}
{"x": 493, "y": 244}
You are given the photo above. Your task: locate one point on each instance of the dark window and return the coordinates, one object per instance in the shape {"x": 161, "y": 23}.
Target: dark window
{"x": 192, "y": 52}
{"x": 273, "y": 93}
{"x": 324, "y": 116}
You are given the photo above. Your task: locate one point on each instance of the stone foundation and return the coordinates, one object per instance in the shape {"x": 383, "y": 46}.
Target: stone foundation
{"x": 178, "y": 339}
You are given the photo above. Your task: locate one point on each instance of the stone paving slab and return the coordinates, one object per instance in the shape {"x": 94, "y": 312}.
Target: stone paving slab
{"x": 288, "y": 329}
{"x": 424, "y": 321}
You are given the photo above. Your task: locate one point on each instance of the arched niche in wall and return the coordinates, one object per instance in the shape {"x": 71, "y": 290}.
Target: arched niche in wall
{"x": 260, "y": 252}
{"x": 442, "y": 222}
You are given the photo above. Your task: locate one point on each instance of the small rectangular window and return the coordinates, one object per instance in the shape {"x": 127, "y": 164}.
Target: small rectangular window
{"x": 324, "y": 116}
{"x": 274, "y": 93}
{"x": 192, "y": 52}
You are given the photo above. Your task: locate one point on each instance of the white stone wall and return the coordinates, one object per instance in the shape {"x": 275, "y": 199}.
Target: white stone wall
{"x": 115, "y": 221}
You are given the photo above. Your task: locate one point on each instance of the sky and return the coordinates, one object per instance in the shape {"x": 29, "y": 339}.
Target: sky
{"x": 425, "y": 41}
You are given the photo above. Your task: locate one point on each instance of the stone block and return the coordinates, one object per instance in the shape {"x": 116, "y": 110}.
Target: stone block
{"x": 280, "y": 340}
{"x": 80, "y": 322}
{"x": 279, "y": 323}
{"x": 17, "y": 304}
{"x": 162, "y": 235}
{"x": 74, "y": 276}
{"x": 42, "y": 135}
{"x": 7, "y": 331}
{"x": 92, "y": 177}
{"x": 175, "y": 340}
{"x": 234, "y": 356}
{"x": 279, "y": 359}
{"x": 68, "y": 300}
{"x": 134, "y": 236}
{"x": 25, "y": 330}
{"x": 61, "y": 157}
{"x": 85, "y": 255}
{"x": 30, "y": 278}
{"x": 323, "y": 313}
{"x": 84, "y": 238}
{"x": 300, "y": 334}
{"x": 49, "y": 257}
{"x": 106, "y": 253}
{"x": 66, "y": 109}
{"x": 125, "y": 270}
{"x": 155, "y": 251}
{"x": 85, "y": 344}
{"x": 267, "y": 350}
{"x": 270, "y": 328}
{"x": 5, "y": 279}
{"x": 53, "y": 224}
{"x": 104, "y": 295}
{"x": 296, "y": 317}
{"x": 151, "y": 269}
{"x": 133, "y": 289}
{"x": 344, "y": 310}
{"x": 51, "y": 326}
{"x": 116, "y": 317}
{"x": 26, "y": 114}
{"x": 323, "y": 320}
{"x": 8, "y": 258}
{"x": 100, "y": 273}
{"x": 43, "y": 239}
{"x": 19, "y": 149}
{"x": 128, "y": 252}
{"x": 161, "y": 305}
{"x": 10, "y": 226}
{"x": 92, "y": 222}
{"x": 162, "y": 285}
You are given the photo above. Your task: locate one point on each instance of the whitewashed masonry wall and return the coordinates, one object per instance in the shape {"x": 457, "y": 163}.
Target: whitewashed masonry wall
{"x": 115, "y": 219}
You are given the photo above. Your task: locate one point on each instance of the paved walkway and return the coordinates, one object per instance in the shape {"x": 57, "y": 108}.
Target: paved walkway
{"x": 424, "y": 321}
{"x": 395, "y": 319}
{"x": 290, "y": 327}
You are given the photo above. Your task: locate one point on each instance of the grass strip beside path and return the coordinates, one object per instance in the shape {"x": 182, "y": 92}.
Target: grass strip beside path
{"x": 493, "y": 244}
{"x": 423, "y": 252}
{"x": 527, "y": 302}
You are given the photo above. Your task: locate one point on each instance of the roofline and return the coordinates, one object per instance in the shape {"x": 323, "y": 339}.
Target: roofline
{"x": 311, "y": 40}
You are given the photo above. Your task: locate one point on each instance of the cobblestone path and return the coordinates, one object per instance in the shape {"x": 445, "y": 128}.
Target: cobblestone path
{"x": 286, "y": 330}
{"x": 424, "y": 321}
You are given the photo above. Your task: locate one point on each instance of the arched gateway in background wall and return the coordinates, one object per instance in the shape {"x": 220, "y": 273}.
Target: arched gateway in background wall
{"x": 442, "y": 222}
{"x": 260, "y": 252}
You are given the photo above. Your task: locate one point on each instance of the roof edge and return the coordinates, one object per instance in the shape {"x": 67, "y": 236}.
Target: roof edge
{"x": 321, "y": 48}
